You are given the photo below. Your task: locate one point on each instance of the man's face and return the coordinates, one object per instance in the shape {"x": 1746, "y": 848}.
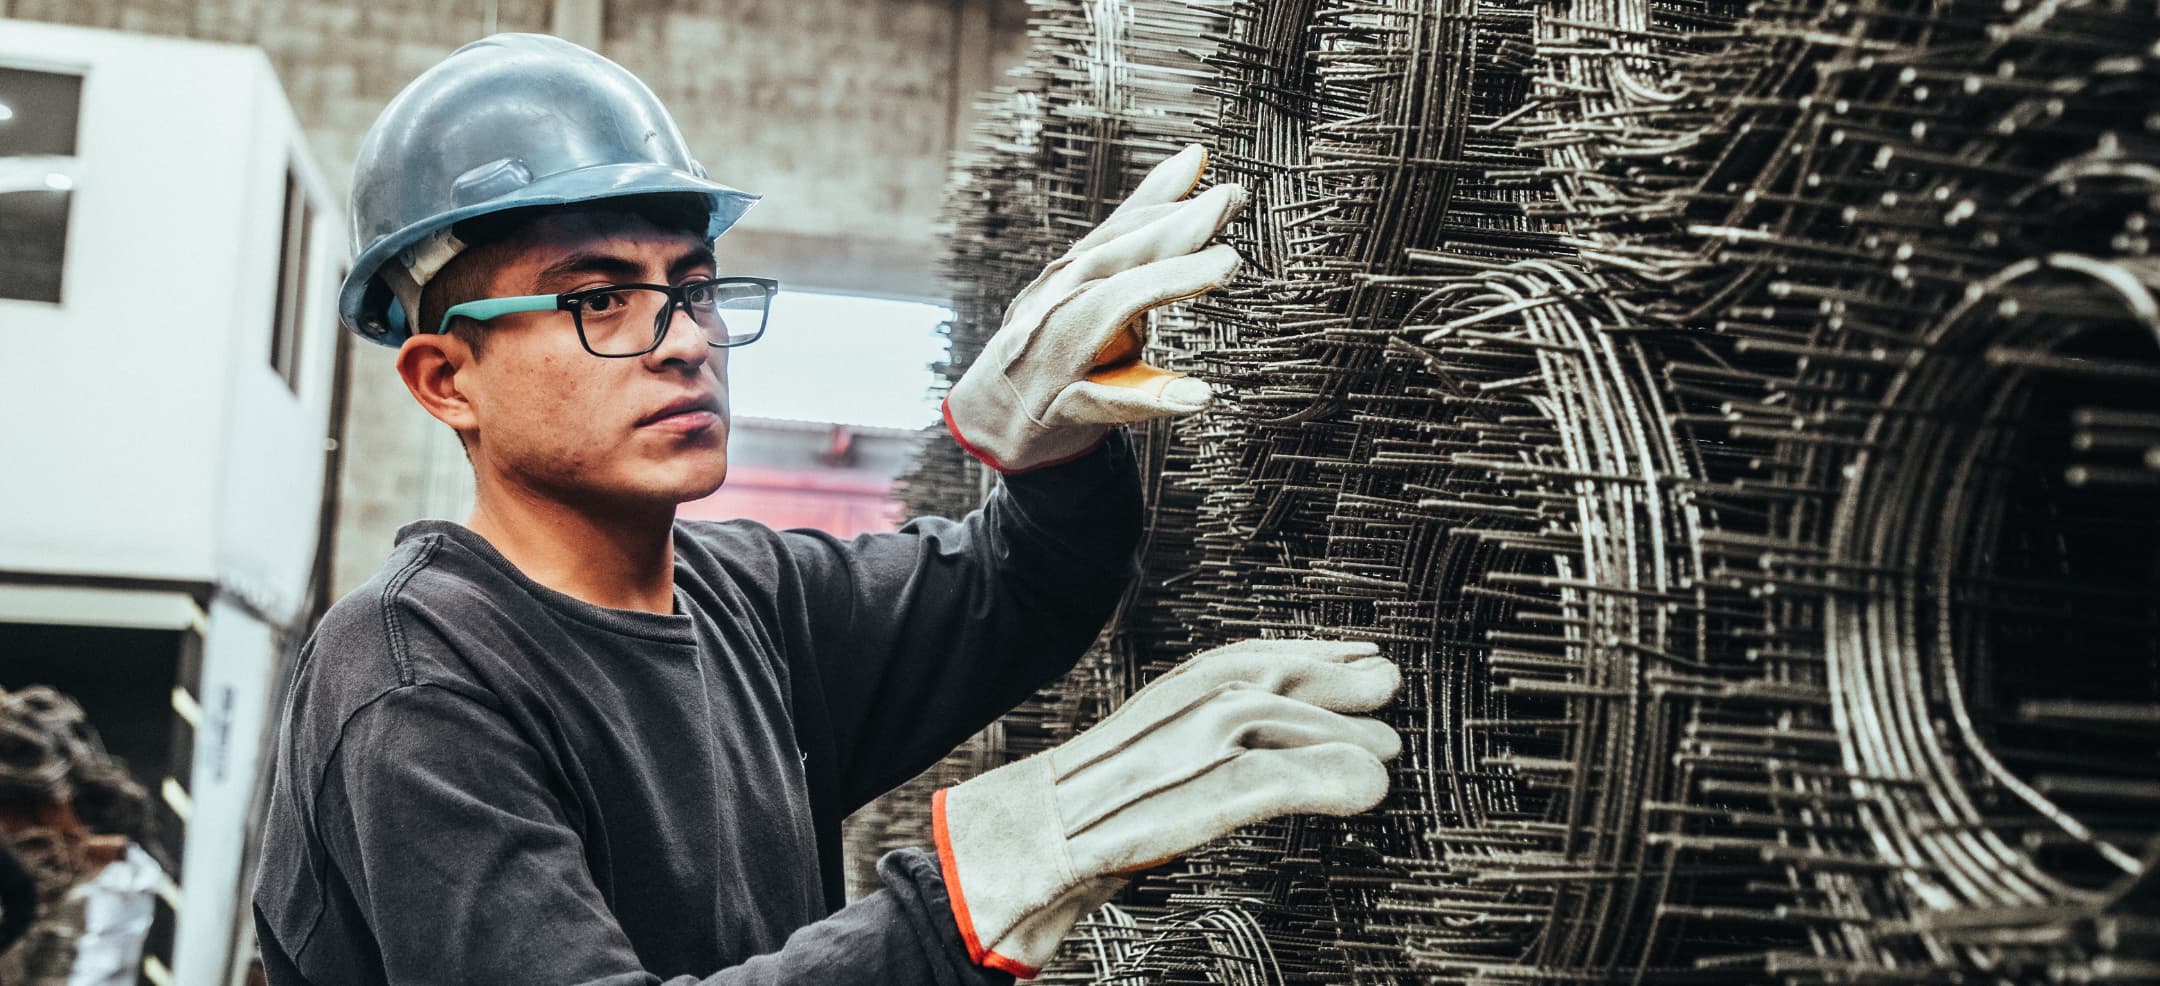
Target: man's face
{"x": 555, "y": 420}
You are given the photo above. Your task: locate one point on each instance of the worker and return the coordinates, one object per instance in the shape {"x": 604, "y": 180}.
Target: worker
{"x": 575, "y": 740}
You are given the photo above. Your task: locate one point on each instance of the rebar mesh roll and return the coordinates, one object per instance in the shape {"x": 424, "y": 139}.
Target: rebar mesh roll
{"x": 1742, "y": 422}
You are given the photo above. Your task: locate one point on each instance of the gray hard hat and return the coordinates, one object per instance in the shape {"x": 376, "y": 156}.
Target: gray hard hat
{"x": 508, "y": 122}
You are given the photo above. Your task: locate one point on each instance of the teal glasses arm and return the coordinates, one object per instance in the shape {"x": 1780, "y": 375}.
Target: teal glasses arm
{"x": 487, "y": 308}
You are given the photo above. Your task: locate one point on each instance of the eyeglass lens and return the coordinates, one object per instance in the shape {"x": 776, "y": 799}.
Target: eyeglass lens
{"x": 629, "y": 320}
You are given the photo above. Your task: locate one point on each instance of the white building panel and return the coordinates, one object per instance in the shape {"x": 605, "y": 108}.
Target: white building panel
{"x": 149, "y": 436}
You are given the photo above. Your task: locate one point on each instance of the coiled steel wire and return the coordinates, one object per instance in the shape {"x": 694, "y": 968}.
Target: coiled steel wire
{"x": 1737, "y": 419}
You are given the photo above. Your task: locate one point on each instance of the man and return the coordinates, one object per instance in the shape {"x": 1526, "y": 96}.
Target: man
{"x": 575, "y": 741}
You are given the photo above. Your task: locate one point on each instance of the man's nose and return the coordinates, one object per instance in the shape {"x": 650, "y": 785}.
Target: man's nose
{"x": 683, "y": 340}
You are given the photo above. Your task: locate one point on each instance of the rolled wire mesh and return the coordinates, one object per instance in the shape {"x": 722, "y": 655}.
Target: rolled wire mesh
{"x": 1737, "y": 420}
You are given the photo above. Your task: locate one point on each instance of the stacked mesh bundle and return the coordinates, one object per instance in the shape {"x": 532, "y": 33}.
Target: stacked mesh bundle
{"x": 1739, "y": 421}
{"x": 1103, "y": 97}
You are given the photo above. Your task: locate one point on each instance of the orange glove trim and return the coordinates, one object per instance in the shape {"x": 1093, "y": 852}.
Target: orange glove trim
{"x": 976, "y": 952}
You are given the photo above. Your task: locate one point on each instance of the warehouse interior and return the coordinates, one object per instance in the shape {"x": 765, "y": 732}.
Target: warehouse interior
{"x": 1738, "y": 422}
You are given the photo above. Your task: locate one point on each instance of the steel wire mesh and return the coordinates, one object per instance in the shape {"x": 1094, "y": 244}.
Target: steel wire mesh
{"x": 1737, "y": 419}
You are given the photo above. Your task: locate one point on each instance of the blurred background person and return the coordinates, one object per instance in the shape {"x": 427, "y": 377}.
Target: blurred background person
{"x": 74, "y": 818}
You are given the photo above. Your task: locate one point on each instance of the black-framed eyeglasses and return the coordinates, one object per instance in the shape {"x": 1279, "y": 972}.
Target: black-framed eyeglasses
{"x": 619, "y": 320}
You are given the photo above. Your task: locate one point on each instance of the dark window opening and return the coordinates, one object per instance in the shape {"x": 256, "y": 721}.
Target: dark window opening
{"x": 39, "y": 112}
{"x": 285, "y": 319}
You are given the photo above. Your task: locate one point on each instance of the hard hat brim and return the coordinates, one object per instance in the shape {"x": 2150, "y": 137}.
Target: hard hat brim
{"x": 364, "y": 299}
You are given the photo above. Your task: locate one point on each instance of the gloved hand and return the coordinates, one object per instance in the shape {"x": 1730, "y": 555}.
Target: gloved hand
{"x": 1065, "y": 365}
{"x": 1237, "y": 735}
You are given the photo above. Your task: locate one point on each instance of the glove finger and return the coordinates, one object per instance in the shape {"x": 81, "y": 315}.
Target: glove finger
{"x": 1094, "y": 783}
{"x": 1168, "y": 704}
{"x": 1359, "y": 685}
{"x": 1127, "y": 398}
{"x": 1178, "y": 230}
{"x": 1119, "y": 364}
{"x": 1251, "y": 719}
{"x": 1290, "y": 724}
{"x": 1169, "y": 234}
{"x": 1329, "y": 779}
{"x": 1178, "y": 393}
{"x": 1088, "y": 322}
{"x": 1130, "y": 218}
{"x": 1329, "y": 674}
{"x": 1340, "y": 651}
{"x": 1122, "y": 222}
{"x": 1169, "y": 180}
{"x": 1330, "y": 651}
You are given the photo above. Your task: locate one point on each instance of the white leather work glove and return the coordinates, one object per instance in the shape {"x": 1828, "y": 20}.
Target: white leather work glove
{"x": 1237, "y": 735}
{"x": 1065, "y": 365}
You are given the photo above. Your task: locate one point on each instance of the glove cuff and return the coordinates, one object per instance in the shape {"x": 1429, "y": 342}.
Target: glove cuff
{"x": 1001, "y": 850}
{"x": 1038, "y": 935}
{"x": 1000, "y": 434}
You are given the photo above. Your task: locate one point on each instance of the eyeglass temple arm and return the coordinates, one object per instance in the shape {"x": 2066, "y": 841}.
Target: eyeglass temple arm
{"x": 487, "y": 308}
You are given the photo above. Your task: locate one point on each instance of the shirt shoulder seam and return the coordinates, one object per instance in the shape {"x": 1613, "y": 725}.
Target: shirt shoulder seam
{"x": 394, "y": 628}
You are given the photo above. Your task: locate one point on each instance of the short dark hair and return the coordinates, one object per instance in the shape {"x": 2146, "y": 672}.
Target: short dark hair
{"x": 461, "y": 280}
{"x": 465, "y": 277}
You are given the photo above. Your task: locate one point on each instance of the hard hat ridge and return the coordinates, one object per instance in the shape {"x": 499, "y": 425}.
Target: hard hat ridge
{"x": 512, "y": 121}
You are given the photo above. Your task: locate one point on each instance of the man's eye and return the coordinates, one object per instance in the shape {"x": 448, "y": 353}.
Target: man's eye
{"x": 601, "y": 304}
{"x": 698, "y": 294}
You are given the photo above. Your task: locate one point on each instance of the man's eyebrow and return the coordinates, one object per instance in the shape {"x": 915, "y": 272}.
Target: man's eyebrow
{"x": 618, "y": 269}
{"x": 576, "y": 265}
{"x": 692, "y": 259}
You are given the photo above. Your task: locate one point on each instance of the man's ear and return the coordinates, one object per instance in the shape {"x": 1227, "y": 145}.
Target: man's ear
{"x": 433, "y": 367}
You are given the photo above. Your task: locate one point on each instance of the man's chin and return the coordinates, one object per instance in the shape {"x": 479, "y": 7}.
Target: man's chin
{"x": 700, "y": 482}
{"x": 704, "y": 489}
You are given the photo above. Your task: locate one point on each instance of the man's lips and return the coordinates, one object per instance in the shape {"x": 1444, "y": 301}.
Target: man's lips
{"x": 687, "y": 414}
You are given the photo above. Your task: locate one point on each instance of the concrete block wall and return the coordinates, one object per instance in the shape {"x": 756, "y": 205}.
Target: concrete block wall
{"x": 841, "y": 112}
{"x": 837, "y": 112}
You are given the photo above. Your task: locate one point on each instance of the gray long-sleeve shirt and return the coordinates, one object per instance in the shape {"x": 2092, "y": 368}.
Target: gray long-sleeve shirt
{"x": 482, "y": 780}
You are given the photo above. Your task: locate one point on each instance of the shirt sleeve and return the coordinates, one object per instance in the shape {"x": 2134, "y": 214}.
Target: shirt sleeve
{"x": 468, "y": 868}
{"x": 921, "y": 637}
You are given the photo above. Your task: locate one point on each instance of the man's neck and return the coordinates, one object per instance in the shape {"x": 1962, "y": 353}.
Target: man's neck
{"x": 616, "y": 559}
